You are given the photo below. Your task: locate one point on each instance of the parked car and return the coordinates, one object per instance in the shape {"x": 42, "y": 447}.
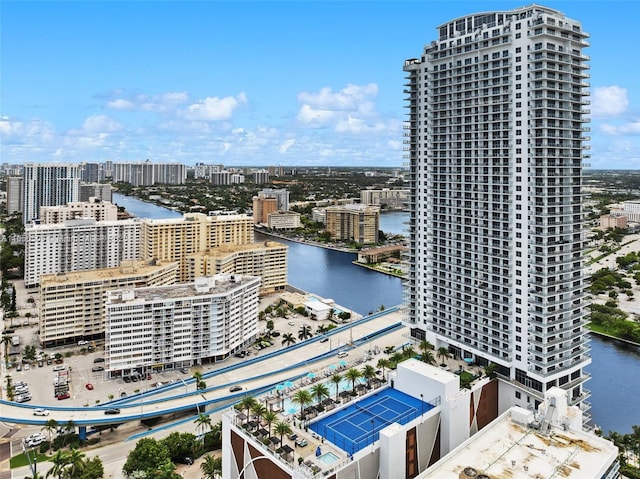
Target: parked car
{"x": 112, "y": 411}
{"x": 61, "y": 396}
{"x": 40, "y": 363}
{"x": 27, "y": 367}
{"x": 275, "y": 334}
{"x": 301, "y": 442}
{"x": 40, "y": 412}
{"x": 95, "y": 369}
{"x": 23, "y": 398}
{"x": 291, "y": 323}
{"x": 241, "y": 354}
{"x": 126, "y": 379}
{"x": 185, "y": 460}
{"x": 19, "y": 367}
{"x": 89, "y": 386}
{"x": 98, "y": 360}
{"x": 184, "y": 370}
{"x": 59, "y": 367}
{"x": 83, "y": 343}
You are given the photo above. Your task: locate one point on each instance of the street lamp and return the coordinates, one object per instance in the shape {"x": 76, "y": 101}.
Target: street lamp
{"x": 421, "y": 404}
{"x": 373, "y": 434}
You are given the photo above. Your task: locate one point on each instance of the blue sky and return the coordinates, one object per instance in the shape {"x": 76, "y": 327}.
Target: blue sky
{"x": 258, "y": 83}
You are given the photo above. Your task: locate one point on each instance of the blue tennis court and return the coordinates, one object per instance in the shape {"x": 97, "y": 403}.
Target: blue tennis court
{"x": 359, "y": 424}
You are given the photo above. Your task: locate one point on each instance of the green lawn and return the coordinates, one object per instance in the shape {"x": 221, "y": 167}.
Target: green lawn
{"x": 20, "y": 460}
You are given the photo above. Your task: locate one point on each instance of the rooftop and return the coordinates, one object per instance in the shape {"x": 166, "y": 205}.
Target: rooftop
{"x": 507, "y": 449}
{"x": 125, "y": 270}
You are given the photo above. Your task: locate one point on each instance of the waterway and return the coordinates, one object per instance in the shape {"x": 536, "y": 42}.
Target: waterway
{"x": 615, "y": 370}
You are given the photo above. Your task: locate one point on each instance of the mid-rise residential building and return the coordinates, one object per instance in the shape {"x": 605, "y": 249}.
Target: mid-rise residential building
{"x": 319, "y": 215}
{"x": 72, "y": 304}
{"x": 353, "y": 222}
{"x": 91, "y": 172}
{"x": 147, "y": 173}
{"x": 220, "y": 178}
{"x": 78, "y": 245}
{"x": 200, "y": 170}
{"x": 284, "y": 220}
{"x": 613, "y": 221}
{"x": 102, "y": 191}
{"x": 495, "y": 134}
{"x": 48, "y": 184}
{"x": 267, "y": 260}
{"x": 14, "y": 194}
{"x": 388, "y": 198}
{"x": 261, "y": 177}
{"x": 191, "y": 324}
{"x": 93, "y": 208}
{"x": 176, "y": 238}
{"x": 262, "y": 208}
{"x": 281, "y": 196}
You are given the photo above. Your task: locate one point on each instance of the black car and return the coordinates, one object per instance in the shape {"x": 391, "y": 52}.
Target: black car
{"x": 98, "y": 360}
{"x": 126, "y": 379}
{"x": 97, "y": 368}
{"x": 235, "y": 388}
{"x": 112, "y": 411}
{"x": 324, "y": 340}
{"x": 185, "y": 460}
{"x": 275, "y": 334}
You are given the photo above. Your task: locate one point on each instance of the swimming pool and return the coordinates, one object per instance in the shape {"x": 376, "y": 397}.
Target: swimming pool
{"x": 328, "y": 458}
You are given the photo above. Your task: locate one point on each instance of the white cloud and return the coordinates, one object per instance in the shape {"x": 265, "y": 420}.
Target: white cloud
{"x": 214, "y": 108}
{"x": 162, "y": 102}
{"x": 631, "y": 128}
{"x": 120, "y": 104}
{"x": 100, "y": 123}
{"x": 349, "y": 98}
{"x": 609, "y": 101}
{"x": 284, "y": 147}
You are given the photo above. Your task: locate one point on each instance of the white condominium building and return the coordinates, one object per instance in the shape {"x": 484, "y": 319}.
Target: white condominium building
{"x": 72, "y": 304}
{"x": 495, "y": 135}
{"x": 48, "y": 185}
{"x": 392, "y": 198}
{"x": 93, "y": 208}
{"x": 173, "y": 239}
{"x": 147, "y": 173}
{"x": 78, "y": 245}
{"x": 181, "y": 325}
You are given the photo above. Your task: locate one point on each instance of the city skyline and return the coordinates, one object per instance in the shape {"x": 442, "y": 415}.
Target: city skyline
{"x": 257, "y": 83}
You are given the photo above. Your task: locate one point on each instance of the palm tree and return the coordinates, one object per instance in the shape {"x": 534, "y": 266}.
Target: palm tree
{"x": 368, "y": 372}
{"x": 425, "y": 345}
{"x": 383, "y": 363}
{"x": 408, "y": 352}
{"x": 200, "y": 384}
{"x": 202, "y": 422}
{"x": 302, "y": 397}
{"x": 304, "y": 332}
{"x": 258, "y": 410}
{"x": 353, "y": 375}
{"x": 60, "y": 461}
{"x": 330, "y": 315}
{"x": 76, "y": 461}
{"x": 320, "y": 392}
{"x": 6, "y": 340}
{"x": 247, "y": 403}
{"x": 336, "y": 378}
{"x": 288, "y": 339}
{"x": 427, "y": 357}
{"x": 321, "y": 329}
{"x": 50, "y": 426}
{"x": 282, "y": 428}
{"x": 70, "y": 427}
{"x": 443, "y": 353}
{"x": 269, "y": 418}
{"x": 211, "y": 467}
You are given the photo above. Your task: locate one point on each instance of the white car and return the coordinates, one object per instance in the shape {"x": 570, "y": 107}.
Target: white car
{"x": 342, "y": 354}
{"x": 27, "y": 367}
{"x": 40, "y": 412}
{"x": 83, "y": 343}
{"x": 291, "y": 323}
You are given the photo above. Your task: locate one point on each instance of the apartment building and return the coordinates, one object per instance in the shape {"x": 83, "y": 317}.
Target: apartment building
{"x": 167, "y": 327}
{"x": 102, "y": 191}
{"x": 284, "y": 220}
{"x": 72, "y": 304}
{"x": 147, "y": 173}
{"x": 14, "y": 194}
{"x": 78, "y": 245}
{"x": 267, "y": 260}
{"x": 396, "y": 199}
{"x": 93, "y": 208}
{"x": 48, "y": 185}
{"x": 262, "y": 208}
{"x": 174, "y": 239}
{"x": 495, "y": 131}
{"x": 354, "y": 222}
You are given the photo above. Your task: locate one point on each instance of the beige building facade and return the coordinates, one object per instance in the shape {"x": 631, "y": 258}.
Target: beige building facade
{"x": 72, "y": 304}
{"x": 284, "y": 220}
{"x": 354, "y": 222}
{"x": 94, "y": 208}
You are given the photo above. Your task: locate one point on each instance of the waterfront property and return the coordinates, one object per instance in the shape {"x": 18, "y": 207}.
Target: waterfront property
{"x": 169, "y": 327}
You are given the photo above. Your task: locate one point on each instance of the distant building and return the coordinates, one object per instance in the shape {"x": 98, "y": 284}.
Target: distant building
{"x": 391, "y": 198}
{"x": 630, "y": 209}
{"x": 281, "y": 196}
{"x": 613, "y": 221}
{"x": 102, "y": 191}
{"x": 147, "y": 173}
{"x": 48, "y": 184}
{"x": 175, "y": 238}
{"x": 319, "y": 215}
{"x": 220, "y": 178}
{"x": 261, "y": 177}
{"x": 91, "y": 172}
{"x": 377, "y": 255}
{"x": 94, "y": 208}
{"x": 78, "y": 245}
{"x": 354, "y": 222}
{"x": 72, "y": 304}
{"x": 193, "y": 324}
{"x": 284, "y": 220}
{"x": 262, "y": 208}
{"x": 267, "y": 260}
{"x": 14, "y": 194}
{"x": 236, "y": 179}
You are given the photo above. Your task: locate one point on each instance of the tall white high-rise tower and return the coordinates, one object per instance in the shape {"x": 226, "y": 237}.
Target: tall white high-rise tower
{"x": 48, "y": 185}
{"x": 495, "y": 141}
